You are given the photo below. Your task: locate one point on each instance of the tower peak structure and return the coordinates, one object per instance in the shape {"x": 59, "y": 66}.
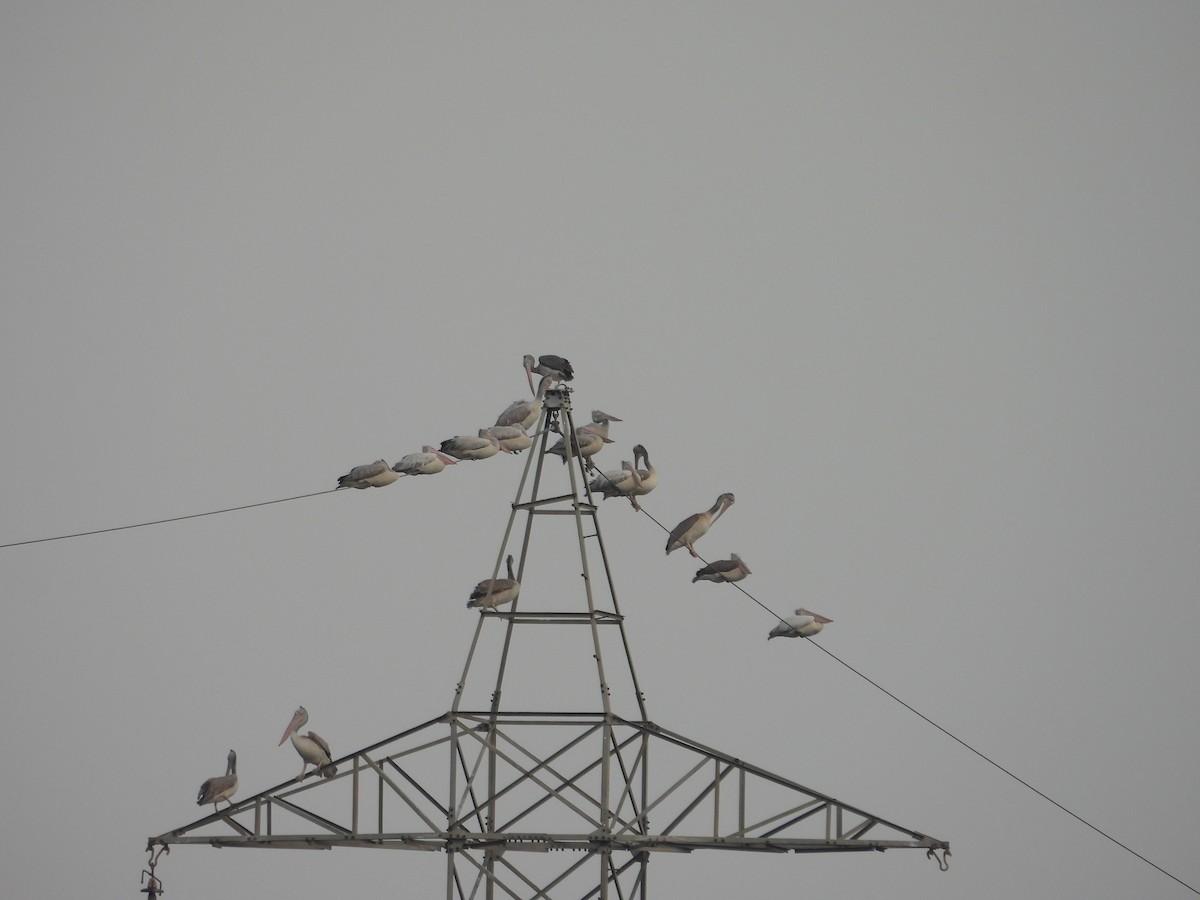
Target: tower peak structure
{"x": 523, "y": 764}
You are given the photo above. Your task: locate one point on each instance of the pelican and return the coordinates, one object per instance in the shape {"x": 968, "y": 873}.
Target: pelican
{"x": 555, "y": 367}
{"x": 588, "y": 438}
{"x": 512, "y": 437}
{"x": 312, "y": 747}
{"x": 525, "y": 412}
{"x": 493, "y": 592}
{"x": 465, "y": 446}
{"x": 428, "y": 462}
{"x": 376, "y": 474}
{"x": 696, "y": 525}
{"x": 647, "y": 478}
{"x": 804, "y": 623}
{"x": 732, "y": 569}
{"x": 616, "y": 482}
{"x": 220, "y": 787}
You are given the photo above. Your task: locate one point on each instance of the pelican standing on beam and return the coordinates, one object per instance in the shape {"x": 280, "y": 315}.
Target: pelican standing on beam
{"x": 732, "y": 569}
{"x": 804, "y": 623}
{"x": 220, "y": 787}
{"x": 427, "y": 462}
{"x": 588, "y": 439}
{"x": 312, "y": 748}
{"x": 376, "y": 474}
{"x": 696, "y": 525}
{"x": 493, "y": 592}
{"x": 616, "y": 482}
{"x": 512, "y": 437}
{"x": 555, "y": 366}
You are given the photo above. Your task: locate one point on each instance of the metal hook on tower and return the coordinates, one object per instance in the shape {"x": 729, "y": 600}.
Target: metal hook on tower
{"x": 153, "y": 884}
{"x": 944, "y": 861}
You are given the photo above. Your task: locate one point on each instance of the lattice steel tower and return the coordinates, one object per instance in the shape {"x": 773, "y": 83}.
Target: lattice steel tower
{"x": 500, "y": 787}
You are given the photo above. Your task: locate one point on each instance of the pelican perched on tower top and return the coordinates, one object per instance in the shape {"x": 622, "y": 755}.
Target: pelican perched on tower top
{"x": 220, "y": 787}
{"x": 554, "y": 366}
{"x": 313, "y": 748}
{"x": 696, "y": 525}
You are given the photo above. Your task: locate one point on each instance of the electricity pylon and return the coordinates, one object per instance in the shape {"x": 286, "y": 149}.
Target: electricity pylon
{"x": 561, "y": 796}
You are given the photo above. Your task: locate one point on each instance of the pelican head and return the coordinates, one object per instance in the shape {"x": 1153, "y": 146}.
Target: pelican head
{"x": 299, "y": 720}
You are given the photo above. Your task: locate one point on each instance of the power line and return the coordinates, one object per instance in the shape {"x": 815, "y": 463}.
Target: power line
{"x": 214, "y": 512}
{"x": 950, "y": 734}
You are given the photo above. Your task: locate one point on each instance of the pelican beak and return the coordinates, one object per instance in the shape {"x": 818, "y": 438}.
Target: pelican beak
{"x": 291, "y": 729}
{"x": 448, "y": 460}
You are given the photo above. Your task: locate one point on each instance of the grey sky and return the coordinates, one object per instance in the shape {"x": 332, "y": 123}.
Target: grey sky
{"x": 917, "y": 282}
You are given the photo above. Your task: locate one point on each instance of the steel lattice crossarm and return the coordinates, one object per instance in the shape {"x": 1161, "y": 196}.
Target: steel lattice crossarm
{"x": 547, "y": 793}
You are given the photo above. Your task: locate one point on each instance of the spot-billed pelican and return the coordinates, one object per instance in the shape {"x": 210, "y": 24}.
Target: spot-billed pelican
{"x": 376, "y": 474}
{"x": 312, "y": 748}
{"x": 220, "y": 787}
{"x": 615, "y": 482}
{"x": 512, "y": 437}
{"x": 554, "y": 366}
{"x": 732, "y": 569}
{"x": 465, "y": 446}
{"x": 525, "y": 412}
{"x": 696, "y": 525}
{"x": 589, "y": 439}
{"x": 647, "y": 478}
{"x": 428, "y": 462}
{"x": 493, "y": 592}
{"x": 804, "y": 623}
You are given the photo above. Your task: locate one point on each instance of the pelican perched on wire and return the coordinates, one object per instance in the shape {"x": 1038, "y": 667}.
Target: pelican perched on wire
{"x": 555, "y": 367}
{"x": 428, "y": 462}
{"x": 647, "y": 478}
{"x": 466, "y": 446}
{"x": 696, "y": 525}
{"x": 732, "y": 569}
{"x": 376, "y": 474}
{"x": 220, "y": 787}
{"x": 512, "y": 438}
{"x": 616, "y": 482}
{"x": 525, "y": 412}
{"x": 313, "y": 748}
{"x": 493, "y": 592}
{"x": 804, "y": 623}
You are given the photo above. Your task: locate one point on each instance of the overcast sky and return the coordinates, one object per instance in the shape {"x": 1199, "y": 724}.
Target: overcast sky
{"x": 917, "y": 282}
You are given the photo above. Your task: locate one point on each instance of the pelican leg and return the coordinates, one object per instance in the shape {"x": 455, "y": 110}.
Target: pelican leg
{"x": 691, "y": 550}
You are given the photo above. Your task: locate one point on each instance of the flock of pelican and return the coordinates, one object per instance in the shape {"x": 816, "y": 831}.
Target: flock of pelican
{"x": 313, "y": 750}
{"x": 635, "y": 478}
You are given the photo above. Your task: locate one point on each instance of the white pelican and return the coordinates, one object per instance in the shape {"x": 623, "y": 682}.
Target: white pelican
{"x": 312, "y": 747}
{"x": 696, "y": 525}
{"x": 525, "y": 412}
{"x": 428, "y": 462}
{"x": 616, "y": 482}
{"x": 732, "y": 569}
{"x": 220, "y": 787}
{"x": 804, "y": 623}
{"x": 512, "y": 437}
{"x": 376, "y": 474}
{"x": 589, "y": 439}
{"x": 647, "y": 478}
{"x": 554, "y": 366}
{"x": 493, "y": 592}
{"x": 465, "y": 446}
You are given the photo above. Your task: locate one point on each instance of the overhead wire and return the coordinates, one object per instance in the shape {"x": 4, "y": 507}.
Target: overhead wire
{"x": 746, "y": 593}
{"x": 946, "y": 731}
